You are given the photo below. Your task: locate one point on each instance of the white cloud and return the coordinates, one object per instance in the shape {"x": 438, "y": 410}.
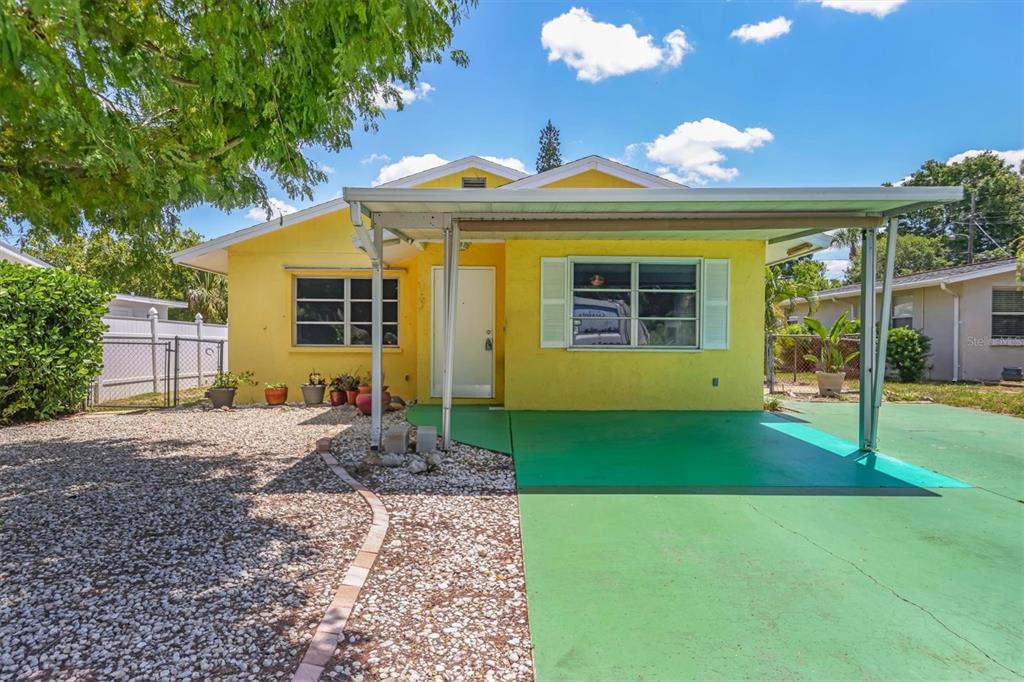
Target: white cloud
{"x": 374, "y": 158}
{"x": 278, "y": 208}
{"x": 878, "y": 8}
{"x": 510, "y": 161}
{"x": 597, "y": 50}
{"x": 326, "y": 169}
{"x": 405, "y": 94}
{"x": 763, "y": 31}
{"x": 692, "y": 152}
{"x": 836, "y": 268}
{"x": 407, "y": 165}
{"x": 1014, "y": 157}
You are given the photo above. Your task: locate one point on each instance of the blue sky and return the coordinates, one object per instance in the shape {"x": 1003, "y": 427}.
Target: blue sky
{"x": 833, "y": 93}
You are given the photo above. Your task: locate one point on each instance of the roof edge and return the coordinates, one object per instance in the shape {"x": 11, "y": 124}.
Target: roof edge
{"x": 593, "y": 162}
{"x": 409, "y": 181}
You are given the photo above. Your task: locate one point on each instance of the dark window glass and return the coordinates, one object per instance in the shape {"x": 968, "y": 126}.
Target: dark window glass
{"x": 661, "y": 276}
{"x": 362, "y": 311}
{"x": 667, "y": 333}
{"x": 601, "y": 275}
{"x": 1008, "y": 326}
{"x": 362, "y": 334}
{"x": 601, "y": 304}
{"x": 667, "y": 304}
{"x": 902, "y": 322}
{"x": 320, "y": 311}
{"x": 320, "y": 334}
{"x": 316, "y": 287}
{"x": 362, "y": 289}
{"x": 600, "y": 332}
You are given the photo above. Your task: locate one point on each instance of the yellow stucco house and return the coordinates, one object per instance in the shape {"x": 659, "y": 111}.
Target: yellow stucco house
{"x": 591, "y": 286}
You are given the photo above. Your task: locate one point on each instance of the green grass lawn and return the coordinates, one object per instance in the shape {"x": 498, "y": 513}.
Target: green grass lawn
{"x": 186, "y": 396}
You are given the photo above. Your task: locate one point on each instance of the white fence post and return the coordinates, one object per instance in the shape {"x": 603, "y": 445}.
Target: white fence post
{"x": 199, "y": 349}
{"x": 154, "y": 334}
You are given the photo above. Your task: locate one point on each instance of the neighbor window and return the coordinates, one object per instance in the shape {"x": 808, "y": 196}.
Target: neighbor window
{"x": 336, "y": 311}
{"x": 635, "y": 304}
{"x": 903, "y": 310}
{"x": 1007, "y": 314}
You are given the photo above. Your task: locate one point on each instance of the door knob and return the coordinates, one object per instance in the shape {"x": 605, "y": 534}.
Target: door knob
{"x": 488, "y": 344}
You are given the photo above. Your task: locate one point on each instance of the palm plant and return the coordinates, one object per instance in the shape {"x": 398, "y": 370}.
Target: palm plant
{"x": 207, "y": 294}
{"x": 779, "y": 289}
{"x": 830, "y": 358}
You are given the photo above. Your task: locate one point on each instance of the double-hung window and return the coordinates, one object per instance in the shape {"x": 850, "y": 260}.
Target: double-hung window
{"x": 1007, "y": 314}
{"x": 644, "y": 303}
{"x": 902, "y": 310}
{"x": 336, "y": 311}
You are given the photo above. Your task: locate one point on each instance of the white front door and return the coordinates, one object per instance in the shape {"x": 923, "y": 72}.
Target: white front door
{"x": 474, "y": 334}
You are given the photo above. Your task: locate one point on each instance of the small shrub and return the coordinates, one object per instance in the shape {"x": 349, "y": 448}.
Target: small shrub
{"x": 907, "y": 354}
{"x": 772, "y": 405}
{"x": 51, "y": 340}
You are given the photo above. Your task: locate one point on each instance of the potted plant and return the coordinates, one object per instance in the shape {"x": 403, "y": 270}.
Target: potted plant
{"x": 830, "y": 361}
{"x": 351, "y": 383}
{"x": 313, "y": 392}
{"x": 222, "y": 391}
{"x": 364, "y": 383}
{"x": 337, "y": 390}
{"x": 275, "y": 393}
{"x": 364, "y": 400}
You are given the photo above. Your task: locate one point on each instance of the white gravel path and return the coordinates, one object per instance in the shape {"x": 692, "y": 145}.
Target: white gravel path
{"x": 446, "y": 599}
{"x": 169, "y": 545}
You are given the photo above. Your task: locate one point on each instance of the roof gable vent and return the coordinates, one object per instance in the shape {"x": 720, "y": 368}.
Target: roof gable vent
{"x": 474, "y": 183}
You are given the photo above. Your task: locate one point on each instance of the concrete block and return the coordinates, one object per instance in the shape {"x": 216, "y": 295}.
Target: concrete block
{"x": 396, "y": 439}
{"x": 426, "y": 439}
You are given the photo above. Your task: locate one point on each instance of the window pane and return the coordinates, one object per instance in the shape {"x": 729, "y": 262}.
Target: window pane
{"x": 362, "y": 289}
{"x": 361, "y": 311}
{"x": 600, "y": 332}
{"x": 902, "y": 306}
{"x": 601, "y": 275}
{"x": 668, "y": 333}
{"x": 316, "y": 287}
{"x": 670, "y": 276}
{"x": 667, "y": 304}
{"x": 1008, "y": 326}
{"x": 362, "y": 335}
{"x": 320, "y": 334}
{"x": 907, "y": 322}
{"x": 326, "y": 311}
{"x": 601, "y": 304}
{"x": 1007, "y": 301}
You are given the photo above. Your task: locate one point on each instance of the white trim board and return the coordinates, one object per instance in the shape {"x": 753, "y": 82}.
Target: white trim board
{"x": 593, "y": 162}
{"x": 456, "y": 166}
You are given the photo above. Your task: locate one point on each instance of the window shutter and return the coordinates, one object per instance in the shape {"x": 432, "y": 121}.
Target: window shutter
{"x": 553, "y": 303}
{"x": 716, "y": 304}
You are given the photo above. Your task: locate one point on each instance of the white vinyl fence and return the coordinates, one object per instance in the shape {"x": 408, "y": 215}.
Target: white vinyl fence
{"x": 149, "y": 355}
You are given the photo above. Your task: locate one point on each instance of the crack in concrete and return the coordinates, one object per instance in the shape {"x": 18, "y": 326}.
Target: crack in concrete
{"x": 889, "y": 589}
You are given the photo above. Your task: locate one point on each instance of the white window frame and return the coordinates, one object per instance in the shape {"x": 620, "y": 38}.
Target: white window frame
{"x": 634, "y": 319}
{"x": 993, "y": 313}
{"x": 904, "y": 297}
{"x": 346, "y": 307}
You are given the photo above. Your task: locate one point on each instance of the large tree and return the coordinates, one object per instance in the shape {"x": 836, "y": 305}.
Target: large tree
{"x": 998, "y": 190}
{"x": 914, "y": 253}
{"x": 117, "y": 115}
{"x": 550, "y": 154}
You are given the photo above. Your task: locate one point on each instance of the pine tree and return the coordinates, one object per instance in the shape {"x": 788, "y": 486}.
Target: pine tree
{"x": 550, "y": 154}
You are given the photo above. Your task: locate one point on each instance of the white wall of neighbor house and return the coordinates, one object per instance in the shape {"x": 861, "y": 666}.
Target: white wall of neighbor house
{"x": 981, "y": 357}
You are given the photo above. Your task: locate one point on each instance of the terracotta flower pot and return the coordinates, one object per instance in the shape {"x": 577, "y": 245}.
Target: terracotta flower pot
{"x": 351, "y": 394}
{"x": 364, "y": 388}
{"x": 338, "y": 398}
{"x": 276, "y": 396}
{"x": 365, "y": 401}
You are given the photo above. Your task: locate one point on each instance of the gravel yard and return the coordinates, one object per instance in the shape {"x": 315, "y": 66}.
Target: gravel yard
{"x": 169, "y": 544}
{"x": 446, "y": 599}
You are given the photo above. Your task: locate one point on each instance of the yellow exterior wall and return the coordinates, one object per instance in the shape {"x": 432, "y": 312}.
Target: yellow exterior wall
{"x": 454, "y": 181}
{"x": 590, "y": 179}
{"x": 560, "y": 379}
{"x": 261, "y": 318}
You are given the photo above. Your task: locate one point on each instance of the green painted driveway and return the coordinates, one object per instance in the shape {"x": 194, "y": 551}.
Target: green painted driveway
{"x": 669, "y": 546}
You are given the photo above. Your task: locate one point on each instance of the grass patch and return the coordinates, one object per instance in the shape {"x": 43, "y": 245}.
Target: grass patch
{"x": 186, "y": 396}
{"x": 998, "y": 399}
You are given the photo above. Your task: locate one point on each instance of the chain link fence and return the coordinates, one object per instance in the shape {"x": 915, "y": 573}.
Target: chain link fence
{"x": 789, "y": 370}
{"x": 164, "y": 373}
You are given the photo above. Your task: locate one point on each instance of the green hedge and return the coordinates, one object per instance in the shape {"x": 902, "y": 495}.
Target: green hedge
{"x": 908, "y": 353}
{"x": 51, "y": 335}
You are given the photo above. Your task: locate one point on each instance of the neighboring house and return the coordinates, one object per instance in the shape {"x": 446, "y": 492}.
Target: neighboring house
{"x": 974, "y": 315}
{"x": 590, "y": 286}
{"x": 122, "y": 305}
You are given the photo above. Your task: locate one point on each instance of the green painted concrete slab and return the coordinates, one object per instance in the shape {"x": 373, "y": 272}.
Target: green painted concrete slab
{"x": 636, "y": 582}
{"x": 477, "y": 425}
{"x": 695, "y": 450}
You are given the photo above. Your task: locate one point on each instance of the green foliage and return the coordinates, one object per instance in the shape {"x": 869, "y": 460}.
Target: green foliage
{"x": 275, "y": 384}
{"x": 999, "y": 208}
{"x": 316, "y": 379}
{"x": 779, "y": 289}
{"x": 120, "y": 114}
{"x": 51, "y": 335}
{"x": 914, "y": 253}
{"x": 345, "y": 382}
{"x": 140, "y": 265}
{"x": 772, "y": 405}
{"x": 907, "y": 353}
{"x": 232, "y": 379}
{"x": 830, "y": 358}
{"x": 550, "y": 154}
